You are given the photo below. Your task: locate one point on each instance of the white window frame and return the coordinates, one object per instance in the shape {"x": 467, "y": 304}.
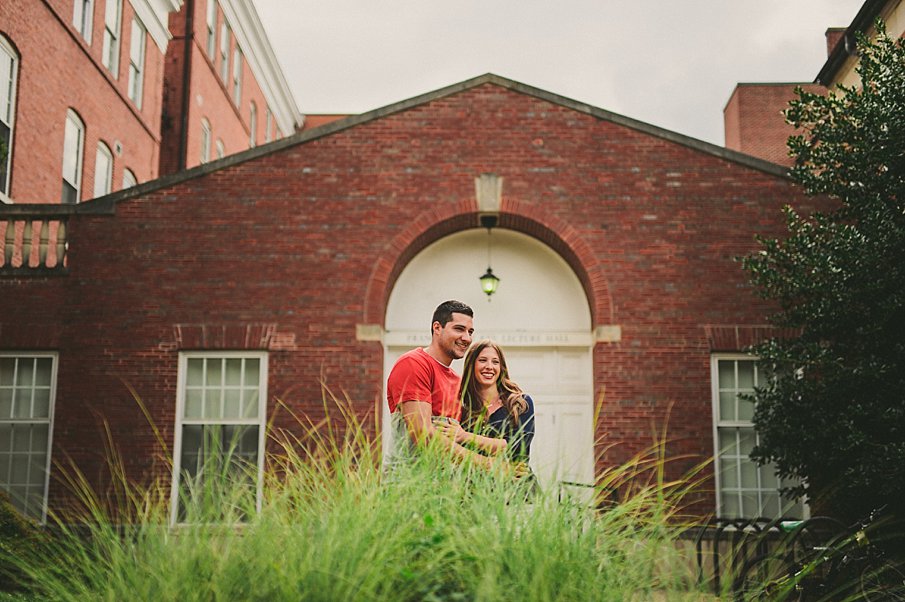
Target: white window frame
{"x": 83, "y": 18}
{"x": 137, "y": 44}
{"x": 211, "y": 29}
{"x": 221, "y": 150}
{"x": 129, "y": 179}
{"x": 252, "y": 125}
{"x": 260, "y": 421}
{"x": 73, "y": 150}
{"x": 225, "y": 35}
{"x": 206, "y": 134}
{"x": 103, "y": 170}
{"x": 54, "y": 357}
{"x": 720, "y": 424}
{"x": 8, "y": 82}
{"x": 113, "y": 23}
{"x": 268, "y": 136}
{"x": 237, "y": 75}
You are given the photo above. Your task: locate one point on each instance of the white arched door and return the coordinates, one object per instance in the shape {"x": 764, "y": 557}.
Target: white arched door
{"x": 540, "y": 317}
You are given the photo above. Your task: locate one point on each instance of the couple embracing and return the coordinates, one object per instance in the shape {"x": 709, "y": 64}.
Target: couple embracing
{"x": 482, "y": 415}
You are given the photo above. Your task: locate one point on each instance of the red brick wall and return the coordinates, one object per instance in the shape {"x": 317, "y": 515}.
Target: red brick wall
{"x": 754, "y": 123}
{"x": 298, "y": 246}
{"x": 58, "y": 71}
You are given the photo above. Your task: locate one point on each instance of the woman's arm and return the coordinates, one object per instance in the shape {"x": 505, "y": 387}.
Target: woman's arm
{"x": 489, "y": 445}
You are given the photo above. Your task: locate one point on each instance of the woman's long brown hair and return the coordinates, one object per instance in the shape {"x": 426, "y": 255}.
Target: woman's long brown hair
{"x": 511, "y": 396}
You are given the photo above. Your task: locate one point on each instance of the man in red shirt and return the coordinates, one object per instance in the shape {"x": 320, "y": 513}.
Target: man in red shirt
{"x": 422, "y": 386}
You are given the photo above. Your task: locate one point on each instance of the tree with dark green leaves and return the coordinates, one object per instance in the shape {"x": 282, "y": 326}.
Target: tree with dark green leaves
{"x": 832, "y": 412}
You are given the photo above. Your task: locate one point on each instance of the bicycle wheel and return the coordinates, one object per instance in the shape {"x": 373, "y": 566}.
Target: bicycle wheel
{"x": 885, "y": 583}
{"x": 769, "y": 577}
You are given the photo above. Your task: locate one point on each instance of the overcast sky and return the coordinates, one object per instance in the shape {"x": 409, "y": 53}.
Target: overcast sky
{"x": 671, "y": 63}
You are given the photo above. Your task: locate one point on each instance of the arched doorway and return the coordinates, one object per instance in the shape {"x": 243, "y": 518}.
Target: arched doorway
{"x": 539, "y": 315}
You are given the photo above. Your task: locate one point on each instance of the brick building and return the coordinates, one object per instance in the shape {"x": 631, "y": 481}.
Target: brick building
{"x": 222, "y": 293}
{"x": 753, "y": 120}
{"x": 94, "y": 94}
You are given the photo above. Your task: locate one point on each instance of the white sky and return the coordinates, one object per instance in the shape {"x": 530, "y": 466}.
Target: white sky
{"x": 671, "y": 63}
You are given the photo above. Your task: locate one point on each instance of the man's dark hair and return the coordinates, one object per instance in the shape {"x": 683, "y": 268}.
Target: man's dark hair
{"x": 445, "y": 310}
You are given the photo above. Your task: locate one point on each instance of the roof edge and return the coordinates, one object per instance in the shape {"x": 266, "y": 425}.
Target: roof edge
{"x": 845, "y": 48}
{"x": 403, "y": 105}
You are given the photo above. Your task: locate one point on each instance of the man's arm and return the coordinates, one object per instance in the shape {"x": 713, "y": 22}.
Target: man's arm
{"x": 417, "y": 416}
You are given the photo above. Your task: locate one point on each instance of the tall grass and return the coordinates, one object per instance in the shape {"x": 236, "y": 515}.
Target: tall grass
{"x": 334, "y": 526}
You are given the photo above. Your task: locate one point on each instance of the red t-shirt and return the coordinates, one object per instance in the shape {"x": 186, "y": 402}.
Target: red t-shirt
{"x": 417, "y": 376}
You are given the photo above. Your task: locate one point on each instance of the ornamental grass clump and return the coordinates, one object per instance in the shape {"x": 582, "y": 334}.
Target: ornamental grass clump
{"x": 332, "y": 524}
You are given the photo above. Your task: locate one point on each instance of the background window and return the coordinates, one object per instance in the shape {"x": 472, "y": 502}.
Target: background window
{"x": 267, "y": 125}
{"x": 113, "y": 11}
{"x": 137, "y": 62}
{"x": 83, "y": 18}
{"x": 744, "y": 489}
{"x": 221, "y": 150}
{"x": 129, "y": 179}
{"x": 73, "y": 141}
{"x": 103, "y": 170}
{"x": 237, "y": 76}
{"x": 224, "y": 51}
{"x": 205, "y": 141}
{"x": 26, "y": 409}
{"x": 220, "y": 430}
{"x": 211, "y": 28}
{"x": 252, "y": 126}
{"x": 9, "y": 68}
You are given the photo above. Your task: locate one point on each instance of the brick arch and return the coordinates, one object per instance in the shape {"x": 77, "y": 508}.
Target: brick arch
{"x": 435, "y": 224}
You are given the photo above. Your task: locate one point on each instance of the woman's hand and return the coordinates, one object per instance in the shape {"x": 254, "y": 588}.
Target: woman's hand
{"x": 454, "y": 431}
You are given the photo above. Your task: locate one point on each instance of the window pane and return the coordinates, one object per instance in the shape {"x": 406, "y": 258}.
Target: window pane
{"x": 749, "y": 474}
{"x": 250, "y": 403}
{"x": 233, "y": 372}
{"x": 728, "y": 444}
{"x": 214, "y": 373}
{"x": 728, "y": 474}
{"x": 232, "y": 404}
{"x": 747, "y": 440}
{"x": 731, "y": 506}
{"x": 750, "y": 505}
{"x": 194, "y": 406}
{"x": 194, "y": 372}
{"x": 252, "y": 371}
{"x": 43, "y": 371}
{"x": 727, "y": 374}
{"x": 6, "y": 403}
{"x": 213, "y": 404}
{"x": 7, "y": 371}
{"x": 6, "y": 437}
{"x": 25, "y": 373}
{"x": 41, "y": 405}
{"x": 103, "y": 170}
{"x": 21, "y": 438}
{"x": 745, "y": 410}
{"x": 727, "y": 405}
{"x": 745, "y": 375}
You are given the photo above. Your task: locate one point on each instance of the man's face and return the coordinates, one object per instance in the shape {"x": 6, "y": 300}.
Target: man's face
{"x": 454, "y": 338}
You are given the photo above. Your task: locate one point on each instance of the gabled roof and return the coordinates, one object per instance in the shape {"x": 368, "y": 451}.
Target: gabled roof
{"x": 333, "y": 127}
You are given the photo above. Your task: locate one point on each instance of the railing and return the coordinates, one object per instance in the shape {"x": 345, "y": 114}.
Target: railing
{"x": 35, "y": 237}
{"x": 723, "y": 546}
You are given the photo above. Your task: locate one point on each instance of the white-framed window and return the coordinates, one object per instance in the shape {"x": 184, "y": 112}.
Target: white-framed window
{"x": 73, "y": 146}
{"x": 252, "y": 125}
{"x": 113, "y": 13}
{"x": 205, "y": 141}
{"x": 83, "y": 18}
{"x": 212, "y": 29}
{"x": 744, "y": 489}
{"x": 27, "y": 392}
{"x": 220, "y": 424}
{"x": 225, "y": 35}
{"x": 103, "y": 170}
{"x": 129, "y": 179}
{"x": 137, "y": 61}
{"x": 221, "y": 150}
{"x": 237, "y": 76}
{"x": 268, "y": 124}
{"x": 9, "y": 71}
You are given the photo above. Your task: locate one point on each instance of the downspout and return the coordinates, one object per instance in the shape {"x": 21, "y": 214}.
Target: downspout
{"x": 188, "y": 40}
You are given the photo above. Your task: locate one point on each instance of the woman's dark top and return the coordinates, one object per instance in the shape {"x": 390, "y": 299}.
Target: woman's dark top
{"x": 518, "y": 436}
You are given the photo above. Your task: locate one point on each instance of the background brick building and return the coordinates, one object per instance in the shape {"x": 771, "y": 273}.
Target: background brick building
{"x": 283, "y": 265}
